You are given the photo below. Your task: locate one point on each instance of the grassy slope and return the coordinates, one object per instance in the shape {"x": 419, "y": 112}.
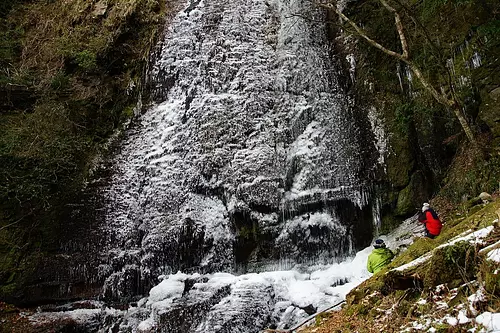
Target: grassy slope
{"x": 460, "y": 266}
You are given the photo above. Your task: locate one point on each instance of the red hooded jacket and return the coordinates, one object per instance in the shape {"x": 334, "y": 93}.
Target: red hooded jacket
{"x": 432, "y": 222}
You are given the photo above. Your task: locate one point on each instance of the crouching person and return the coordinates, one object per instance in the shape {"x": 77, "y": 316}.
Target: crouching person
{"x": 380, "y": 257}
{"x": 431, "y": 221}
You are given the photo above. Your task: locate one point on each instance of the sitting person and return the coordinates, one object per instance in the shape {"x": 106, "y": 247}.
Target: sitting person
{"x": 430, "y": 220}
{"x": 380, "y": 257}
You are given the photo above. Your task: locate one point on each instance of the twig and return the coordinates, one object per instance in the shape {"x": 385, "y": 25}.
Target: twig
{"x": 15, "y": 222}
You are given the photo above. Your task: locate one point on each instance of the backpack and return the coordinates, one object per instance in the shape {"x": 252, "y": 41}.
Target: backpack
{"x": 421, "y": 217}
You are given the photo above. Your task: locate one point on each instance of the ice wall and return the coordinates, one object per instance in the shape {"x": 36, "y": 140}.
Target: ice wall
{"x": 248, "y": 160}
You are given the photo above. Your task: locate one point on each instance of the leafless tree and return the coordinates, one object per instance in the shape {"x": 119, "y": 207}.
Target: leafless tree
{"x": 448, "y": 100}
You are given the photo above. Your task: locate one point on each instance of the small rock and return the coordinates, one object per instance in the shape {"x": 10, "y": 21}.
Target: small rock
{"x": 309, "y": 309}
{"x": 495, "y": 93}
{"x": 485, "y": 197}
{"x": 100, "y": 9}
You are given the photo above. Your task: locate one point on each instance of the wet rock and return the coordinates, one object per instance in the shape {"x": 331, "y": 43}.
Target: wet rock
{"x": 310, "y": 309}
{"x": 247, "y": 309}
{"x": 187, "y": 313}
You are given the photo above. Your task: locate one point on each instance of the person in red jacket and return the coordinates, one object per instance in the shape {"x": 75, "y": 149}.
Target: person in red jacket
{"x": 431, "y": 221}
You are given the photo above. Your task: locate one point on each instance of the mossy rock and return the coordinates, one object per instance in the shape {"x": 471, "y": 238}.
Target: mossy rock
{"x": 405, "y": 201}
{"x": 455, "y": 265}
{"x": 412, "y": 196}
{"x": 474, "y": 210}
{"x": 383, "y": 283}
{"x": 400, "y": 162}
{"x": 419, "y": 247}
{"x": 473, "y": 202}
{"x": 389, "y": 223}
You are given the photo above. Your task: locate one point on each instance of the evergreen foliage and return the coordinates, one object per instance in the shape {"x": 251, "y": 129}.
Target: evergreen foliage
{"x": 66, "y": 69}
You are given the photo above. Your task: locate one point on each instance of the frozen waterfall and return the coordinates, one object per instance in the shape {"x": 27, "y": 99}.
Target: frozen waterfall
{"x": 249, "y": 162}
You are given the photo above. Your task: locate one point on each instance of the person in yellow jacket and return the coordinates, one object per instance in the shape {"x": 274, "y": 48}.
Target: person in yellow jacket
{"x": 379, "y": 257}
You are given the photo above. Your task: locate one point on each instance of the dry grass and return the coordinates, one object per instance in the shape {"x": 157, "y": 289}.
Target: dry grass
{"x": 79, "y": 33}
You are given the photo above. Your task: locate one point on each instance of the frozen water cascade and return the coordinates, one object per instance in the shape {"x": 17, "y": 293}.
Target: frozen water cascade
{"x": 250, "y": 162}
{"x": 223, "y": 302}
{"x": 251, "y": 137}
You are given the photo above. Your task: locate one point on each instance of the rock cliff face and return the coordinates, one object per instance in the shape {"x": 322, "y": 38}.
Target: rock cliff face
{"x": 252, "y": 157}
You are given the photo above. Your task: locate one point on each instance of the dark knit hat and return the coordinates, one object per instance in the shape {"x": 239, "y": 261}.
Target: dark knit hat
{"x": 379, "y": 243}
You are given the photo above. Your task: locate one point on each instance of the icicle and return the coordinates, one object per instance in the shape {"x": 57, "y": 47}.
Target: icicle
{"x": 476, "y": 60}
{"x": 352, "y": 67}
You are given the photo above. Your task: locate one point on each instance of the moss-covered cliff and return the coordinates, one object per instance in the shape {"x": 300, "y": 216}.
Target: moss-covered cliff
{"x": 70, "y": 74}
{"x": 456, "y": 45}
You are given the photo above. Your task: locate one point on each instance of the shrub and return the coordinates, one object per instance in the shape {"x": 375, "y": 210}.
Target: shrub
{"x": 86, "y": 60}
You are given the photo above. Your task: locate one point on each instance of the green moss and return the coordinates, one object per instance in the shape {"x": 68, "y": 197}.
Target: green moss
{"x": 60, "y": 81}
{"x": 468, "y": 180}
{"x": 384, "y": 283}
{"x": 320, "y": 318}
{"x": 128, "y": 112}
{"x": 389, "y": 223}
{"x": 474, "y": 209}
{"x": 489, "y": 274}
{"x": 358, "y": 309}
{"x": 87, "y": 60}
{"x": 419, "y": 247}
{"x": 454, "y": 265}
{"x": 480, "y": 219}
{"x": 442, "y": 328}
{"x": 8, "y": 289}
{"x": 400, "y": 164}
{"x": 411, "y": 197}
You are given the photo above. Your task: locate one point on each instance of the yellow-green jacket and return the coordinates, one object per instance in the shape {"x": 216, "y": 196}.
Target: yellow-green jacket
{"x": 378, "y": 259}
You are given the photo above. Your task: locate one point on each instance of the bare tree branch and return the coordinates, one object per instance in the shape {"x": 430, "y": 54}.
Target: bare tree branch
{"x": 399, "y": 27}
{"x": 361, "y": 32}
{"x": 404, "y": 57}
{"x": 423, "y": 28}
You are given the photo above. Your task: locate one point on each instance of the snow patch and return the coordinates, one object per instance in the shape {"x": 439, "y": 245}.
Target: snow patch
{"x": 491, "y": 321}
{"x": 494, "y": 255}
